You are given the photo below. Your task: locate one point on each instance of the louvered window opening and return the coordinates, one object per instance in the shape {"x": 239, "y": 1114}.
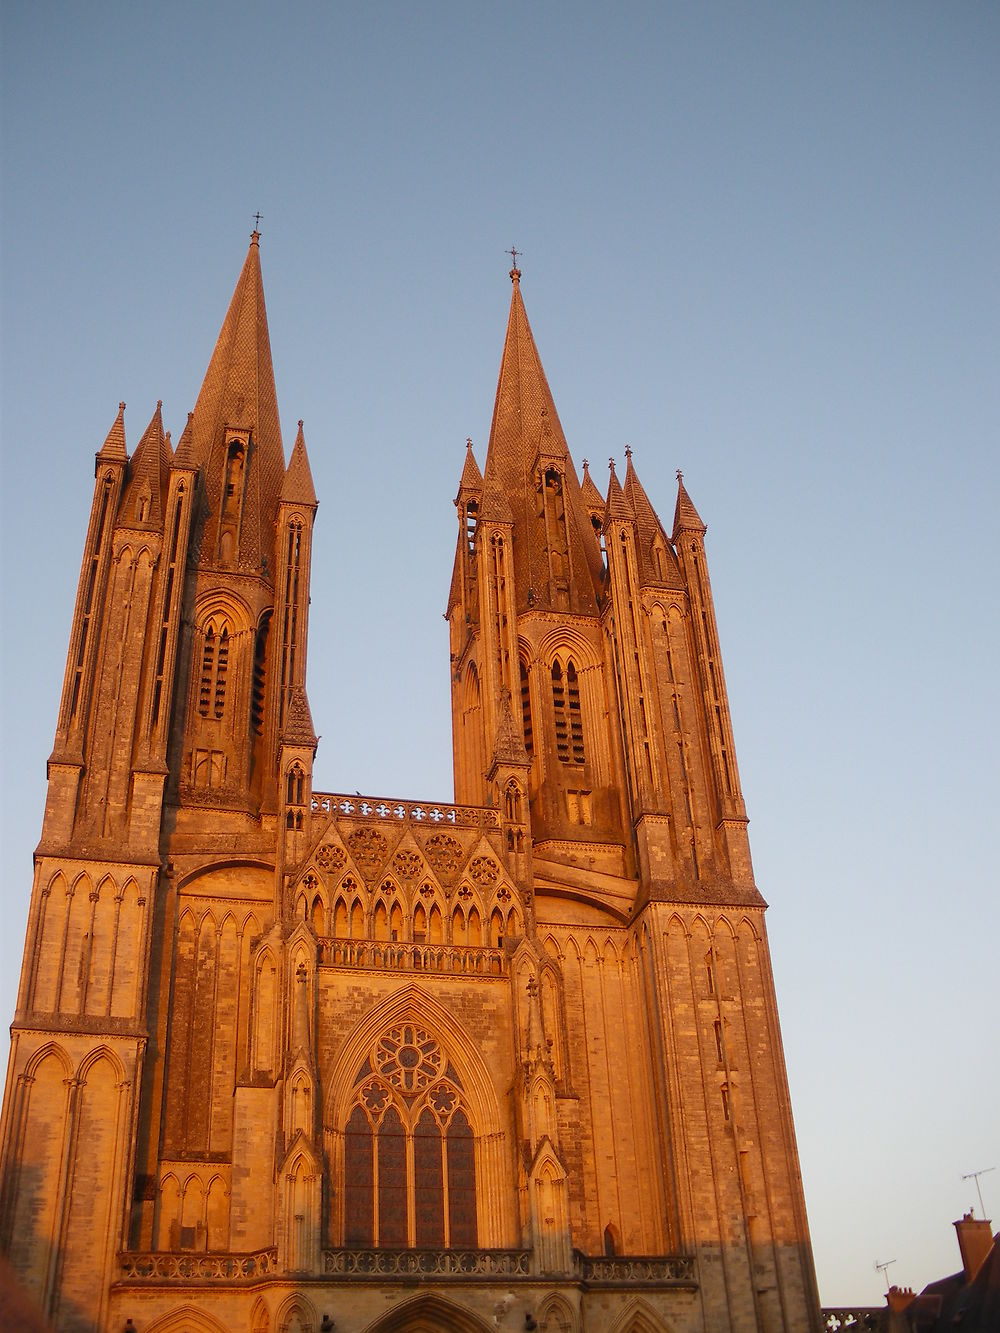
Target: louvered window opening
{"x": 568, "y": 717}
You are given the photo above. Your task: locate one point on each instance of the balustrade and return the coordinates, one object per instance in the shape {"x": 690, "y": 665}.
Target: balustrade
{"x": 418, "y": 812}
{"x": 460, "y": 1264}
{"x": 856, "y": 1319}
{"x": 187, "y": 1267}
{"x": 404, "y": 957}
{"x": 659, "y": 1269}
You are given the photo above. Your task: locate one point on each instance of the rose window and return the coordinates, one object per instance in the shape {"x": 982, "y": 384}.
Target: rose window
{"x": 409, "y": 1058}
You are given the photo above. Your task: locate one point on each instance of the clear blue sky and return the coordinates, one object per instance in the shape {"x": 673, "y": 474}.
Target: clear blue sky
{"x": 760, "y": 244}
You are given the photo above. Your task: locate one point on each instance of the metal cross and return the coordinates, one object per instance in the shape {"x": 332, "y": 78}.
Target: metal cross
{"x": 256, "y": 219}
{"x": 514, "y": 254}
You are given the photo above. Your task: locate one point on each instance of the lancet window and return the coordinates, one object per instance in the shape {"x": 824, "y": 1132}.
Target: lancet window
{"x": 529, "y": 737}
{"x": 409, "y": 1149}
{"x": 214, "y": 670}
{"x": 568, "y": 717}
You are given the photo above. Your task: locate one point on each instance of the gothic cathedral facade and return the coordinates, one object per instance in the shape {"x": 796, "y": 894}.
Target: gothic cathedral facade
{"x": 286, "y": 1061}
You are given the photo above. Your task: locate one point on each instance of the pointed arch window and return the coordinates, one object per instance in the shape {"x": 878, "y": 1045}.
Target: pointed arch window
{"x": 409, "y": 1149}
{"x": 529, "y": 738}
{"x": 214, "y": 669}
{"x": 568, "y": 717}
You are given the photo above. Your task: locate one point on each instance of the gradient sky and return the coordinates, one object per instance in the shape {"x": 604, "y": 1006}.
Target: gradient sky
{"x": 760, "y": 243}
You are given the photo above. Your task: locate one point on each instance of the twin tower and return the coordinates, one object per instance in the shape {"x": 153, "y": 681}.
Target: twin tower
{"x": 287, "y": 1061}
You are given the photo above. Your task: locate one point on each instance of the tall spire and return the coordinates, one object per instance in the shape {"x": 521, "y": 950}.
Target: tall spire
{"x": 238, "y": 394}
{"x": 527, "y": 442}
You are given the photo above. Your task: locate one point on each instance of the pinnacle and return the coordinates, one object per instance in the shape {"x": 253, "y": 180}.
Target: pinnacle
{"x": 184, "y": 453}
{"x": 509, "y": 745}
{"x": 472, "y": 478}
{"x": 113, "y": 449}
{"x": 150, "y": 466}
{"x": 592, "y": 497}
{"x": 617, "y": 508}
{"x": 657, "y": 561}
{"x": 297, "y": 486}
{"x": 686, "y": 517}
{"x": 298, "y": 728}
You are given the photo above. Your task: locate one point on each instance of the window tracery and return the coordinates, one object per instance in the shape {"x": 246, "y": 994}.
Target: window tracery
{"x": 409, "y": 1154}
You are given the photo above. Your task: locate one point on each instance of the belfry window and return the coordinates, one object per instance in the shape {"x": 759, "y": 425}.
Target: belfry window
{"x": 409, "y": 1149}
{"x": 214, "y": 670}
{"x": 568, "y": 718}
{"x": 529, "y": 740}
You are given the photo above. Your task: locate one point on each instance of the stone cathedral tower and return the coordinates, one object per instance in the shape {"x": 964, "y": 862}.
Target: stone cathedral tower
{"x": 289, "y": 1062}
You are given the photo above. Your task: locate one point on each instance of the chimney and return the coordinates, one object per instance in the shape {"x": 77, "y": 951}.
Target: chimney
{"x": 975, "y": 1240}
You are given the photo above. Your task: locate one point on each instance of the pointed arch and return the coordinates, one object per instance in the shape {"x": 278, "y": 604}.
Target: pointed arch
{"x": 428, "y": 1313}
{"x": 555, "y": 1315}
{"x": 50, "y": 1050}
{"x": 101, "y": 1053}
{"x": 340, "y": 920}
{"x": 187, "y": 1320}
{"x": 296, "y": 1314}
{"x": 638, "y": 1317}
{"x": 168, "y": 1216}
{"x": 49, "y": 942}
{"x": 411, "y": 1003}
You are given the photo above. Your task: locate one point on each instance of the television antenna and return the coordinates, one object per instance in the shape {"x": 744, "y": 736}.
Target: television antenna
{"x": 882, "y": 1268}
{"x": 974, "y": 1175}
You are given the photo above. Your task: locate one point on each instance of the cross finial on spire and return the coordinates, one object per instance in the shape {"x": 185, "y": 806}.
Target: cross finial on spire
{"x": 611, "y": 464}
{"x": 256, "y": 221}
{"x": 628, "y": 451}
{"x": 515, "y": 272}
{"x": 680, "y": 475}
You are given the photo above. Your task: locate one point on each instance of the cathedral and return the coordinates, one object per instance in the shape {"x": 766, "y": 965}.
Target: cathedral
{"x": 292, "y": 1061}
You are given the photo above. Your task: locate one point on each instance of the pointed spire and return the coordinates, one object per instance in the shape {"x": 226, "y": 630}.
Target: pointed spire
{"x": 238, "y": 392}
{"x": 657, "y": 559}
{"x": 298, "y": 728}
{"x": 592, "y": 497}
{"x": 617, "y": 507}
{"x": 526, "y": 434}
{"x": 686, "y": 517}
{"x": 149, "y": 470}
{"x": 113, "y": 449}
{"x": 509, "y": 746}
{"x": 297, "y": 486}
{"x": 472, "y": 478}
{"x": 184, "y": 453}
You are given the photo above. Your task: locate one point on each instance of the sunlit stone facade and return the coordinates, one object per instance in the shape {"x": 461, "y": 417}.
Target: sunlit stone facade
{"x": 293, "y": 1061}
